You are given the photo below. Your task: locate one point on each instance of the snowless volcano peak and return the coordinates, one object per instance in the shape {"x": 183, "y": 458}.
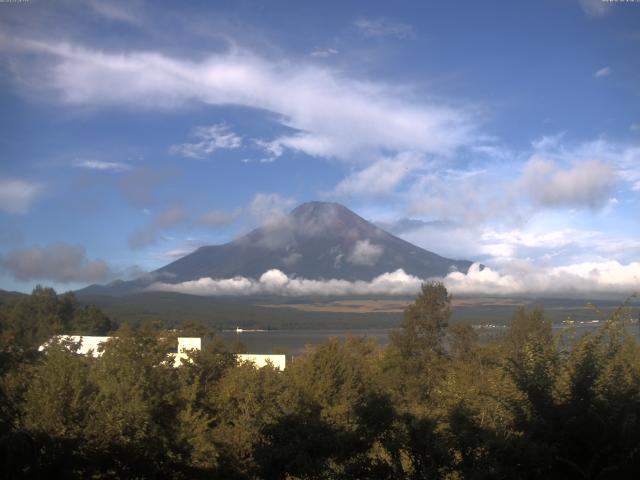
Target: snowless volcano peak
{"x": 316, "y": 240}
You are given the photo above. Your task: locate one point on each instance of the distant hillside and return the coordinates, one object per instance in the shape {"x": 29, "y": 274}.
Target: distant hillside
{"x": 226, "y": 313}
{"x": 174, "y": 308}
{"x": 317, "y": 240}
{"x": 6, "y": 296}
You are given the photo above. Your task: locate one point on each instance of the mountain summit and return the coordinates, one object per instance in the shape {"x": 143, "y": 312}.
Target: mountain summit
{"x": 316, "y": 240}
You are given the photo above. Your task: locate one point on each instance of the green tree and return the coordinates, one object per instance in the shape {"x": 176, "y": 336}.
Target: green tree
{"x": 246, "y": 399}
{"x": 414, "y": 359}
{"x": 135, "y": 406}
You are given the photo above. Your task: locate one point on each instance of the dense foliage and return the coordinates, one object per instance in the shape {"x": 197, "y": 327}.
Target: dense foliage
{"x": 435, "y": 403}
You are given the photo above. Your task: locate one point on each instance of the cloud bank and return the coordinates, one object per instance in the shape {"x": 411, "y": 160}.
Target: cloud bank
{"x": 58, "y": 262}
{"x": 275, "y": 282}
{"x": 604, "y": 279}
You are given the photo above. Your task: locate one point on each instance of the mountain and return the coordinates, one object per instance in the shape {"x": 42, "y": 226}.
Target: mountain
{"x": 8, "y": 297}
{"x": 317, "y": 240}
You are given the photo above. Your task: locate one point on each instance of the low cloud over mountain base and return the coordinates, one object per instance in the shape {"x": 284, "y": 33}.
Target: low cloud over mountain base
{"x": 602, "y": 280}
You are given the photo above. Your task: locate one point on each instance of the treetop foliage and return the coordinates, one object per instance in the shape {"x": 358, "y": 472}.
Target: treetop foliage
{"x": 437, "y": 402}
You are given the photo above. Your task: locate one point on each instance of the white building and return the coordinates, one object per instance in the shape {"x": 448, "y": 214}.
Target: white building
{"x": 277, "y": 361}
{"x": 90, "y": 345}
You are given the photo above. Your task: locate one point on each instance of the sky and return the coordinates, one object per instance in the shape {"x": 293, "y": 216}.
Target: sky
{"x": 505, "y": 133}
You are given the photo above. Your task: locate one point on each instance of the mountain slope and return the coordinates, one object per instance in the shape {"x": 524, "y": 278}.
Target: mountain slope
{"x": 317, "y": 240}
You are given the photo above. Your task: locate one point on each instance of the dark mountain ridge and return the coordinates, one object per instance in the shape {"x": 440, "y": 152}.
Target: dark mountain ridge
{"x": 317, "y": 240}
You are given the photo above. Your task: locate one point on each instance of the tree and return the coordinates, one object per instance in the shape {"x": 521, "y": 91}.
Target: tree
{"x": 425, "y": 321}
{"x": 135, "y": 406}
{"x": 89, "y": 320}
{"x": 415, "y": 356}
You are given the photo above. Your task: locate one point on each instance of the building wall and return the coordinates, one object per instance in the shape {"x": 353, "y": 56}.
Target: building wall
{"x": 88, "y": 344}
{"x": 278, "y": 361}
{"x": 91, "y": 345}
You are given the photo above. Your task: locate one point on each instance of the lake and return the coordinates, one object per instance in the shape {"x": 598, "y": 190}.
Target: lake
{"x": 294, "y": 341}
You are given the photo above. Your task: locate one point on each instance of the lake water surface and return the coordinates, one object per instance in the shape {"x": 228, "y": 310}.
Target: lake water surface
{"x": 294, "y": 341}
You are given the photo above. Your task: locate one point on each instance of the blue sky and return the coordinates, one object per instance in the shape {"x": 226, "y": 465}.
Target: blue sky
{"x": 506, "y": 133}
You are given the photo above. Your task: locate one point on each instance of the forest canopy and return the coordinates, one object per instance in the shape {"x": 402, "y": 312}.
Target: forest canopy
{"x": 437, "y": 402}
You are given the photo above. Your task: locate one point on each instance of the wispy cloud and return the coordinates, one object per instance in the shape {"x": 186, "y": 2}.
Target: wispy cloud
{"x": 622, "y": 158}
{"x": 105, "y": 166}
{"x": 267, "y": 206}
{"x": 210, "y": 139}
{"x": 379, "y": 178}
{"x": 587, "y": 184}
{"x": 331, "y": 115}
{"x": 405, "y": 224}
{"x": 218, "y": 218}
{"x": 58, "y": 262}
{"x": 603, "y": 72}
{"x": 468, "y": 197}
{"x": 114, "y": 11}
{"x": 324, "y": 52}
{"x": 273, "y": 150}
{"x": 150, "y": 233}
{"x": 381, "y": 27}
{"x": 17, "y": 196}
{"x": 594, "y": 8}
{"x": 555, "y": 174}
{"x": 140, "y": 185}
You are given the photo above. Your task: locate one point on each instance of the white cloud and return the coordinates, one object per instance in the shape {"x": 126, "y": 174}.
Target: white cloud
{"x": 549, "y": 239}
{"x": 211, "y": 138}
{"x": 114, "y": 12}
{"x": 469, "y": 197}
{"x": 567, "y": 245}
{"x": 380, "y": 178}
{"x": 332, "y": 115}
{"x": 548, "y": 142}
{"x": 604, "y": 279}
{"x": 594, "y": 8}
{"x": 17, "y": 196}
{"x": 585, "y": 184}
{"x": 555, "y": 175}
{"x": 266, "y": 206}
{"x": 383, "y": 28}
{"x": 323, "y": 52}
{"x": 106, "y": 166}
{"x": 272, "y": 149}
{"x": 603, "y": 72}
{"x": 609, "y": 278}
{"x": 275, "y": 282}
{"x": 622, "y": 158}
{"x": 365, "y": 253}
{"x": 58, "y": 262}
